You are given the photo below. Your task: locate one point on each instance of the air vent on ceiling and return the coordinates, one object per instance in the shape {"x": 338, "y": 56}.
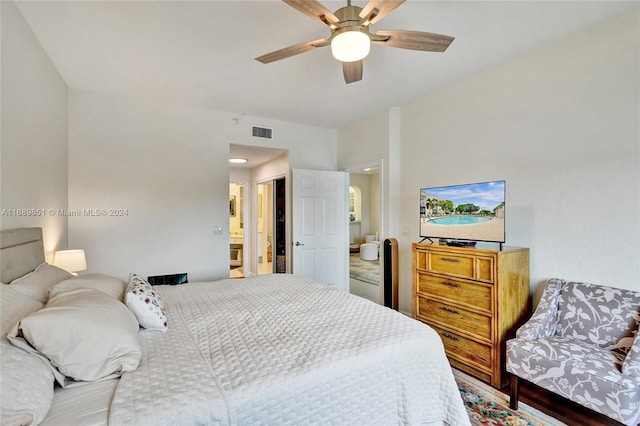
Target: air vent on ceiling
{"x": 261, "y": 132}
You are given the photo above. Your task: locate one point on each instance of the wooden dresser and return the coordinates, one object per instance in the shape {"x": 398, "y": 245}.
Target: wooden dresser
{"x": 475, "y": 299}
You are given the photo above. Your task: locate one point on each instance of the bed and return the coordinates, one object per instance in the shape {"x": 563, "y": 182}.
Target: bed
{"x": 274, "y": 349}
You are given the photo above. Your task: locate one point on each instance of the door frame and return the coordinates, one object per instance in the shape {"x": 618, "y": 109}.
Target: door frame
{"x": 383, "y": 231}
{"x": 256, "y": 225}
{"x": 239, "y": 177}
{"x": 379, "y": 163}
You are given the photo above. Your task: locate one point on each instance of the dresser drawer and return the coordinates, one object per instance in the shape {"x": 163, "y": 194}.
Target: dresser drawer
{"x": 464, "y": 349}
{"x": 457, "y": 291}
{"x": 454, "y": 317}
{"x": 460, "y": 265}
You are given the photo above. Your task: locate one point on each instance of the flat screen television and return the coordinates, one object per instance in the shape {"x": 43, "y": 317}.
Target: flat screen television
{"x": 469, "y": 212}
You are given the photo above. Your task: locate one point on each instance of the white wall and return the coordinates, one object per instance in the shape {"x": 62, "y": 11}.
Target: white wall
{"x": 364, "y": 141}
{"x": 33, "y": 143}
{"x": 561, "y": 126}
{"x": 367, "y": 141}
{"x": 167, "y": 165}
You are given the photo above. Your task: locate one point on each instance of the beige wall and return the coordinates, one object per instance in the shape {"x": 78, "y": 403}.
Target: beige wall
{"x": 560, "y": 125}
{"x": 33, "y": 143}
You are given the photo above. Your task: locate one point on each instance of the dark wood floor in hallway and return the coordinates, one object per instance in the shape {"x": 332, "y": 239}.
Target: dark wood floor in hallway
{"x": 560, "y": 408}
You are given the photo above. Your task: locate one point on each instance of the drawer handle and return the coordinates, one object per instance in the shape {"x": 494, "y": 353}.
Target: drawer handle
{"x": 449, "y": 336}
{"x": 451, "y": 311}
{"x": 448, "y": 284}
{"x": 450, "y": 259}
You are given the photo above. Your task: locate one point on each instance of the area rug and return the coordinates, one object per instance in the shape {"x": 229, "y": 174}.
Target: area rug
{"x": 489, "y": 407}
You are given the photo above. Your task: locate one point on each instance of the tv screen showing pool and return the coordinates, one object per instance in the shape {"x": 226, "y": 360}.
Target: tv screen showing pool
{"x": 472, "y": 211}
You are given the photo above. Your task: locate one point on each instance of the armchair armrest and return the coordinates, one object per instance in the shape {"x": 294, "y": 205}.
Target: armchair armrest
{"x": 543, "y": 321}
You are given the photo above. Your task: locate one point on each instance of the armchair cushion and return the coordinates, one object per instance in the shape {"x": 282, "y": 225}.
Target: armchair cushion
{"x": 579, "y": 371}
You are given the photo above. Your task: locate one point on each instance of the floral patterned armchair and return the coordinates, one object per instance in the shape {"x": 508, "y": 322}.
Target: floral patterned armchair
{"x": 582, "y": 343}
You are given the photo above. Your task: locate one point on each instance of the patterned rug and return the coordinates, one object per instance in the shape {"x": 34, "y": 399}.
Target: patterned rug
{"x": 488, "y": 406}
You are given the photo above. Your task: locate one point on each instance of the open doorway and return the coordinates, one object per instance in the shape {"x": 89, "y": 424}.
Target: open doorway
{"x": 265, "y": 247}
{"x": 263, "y": 172}
{"x": 271, "y": 227}
{"x": 365, "y": 223}
{"x": 236, "y": 229}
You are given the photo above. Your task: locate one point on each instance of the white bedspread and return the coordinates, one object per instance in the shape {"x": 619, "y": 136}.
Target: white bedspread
{"x": 282, "y": 350}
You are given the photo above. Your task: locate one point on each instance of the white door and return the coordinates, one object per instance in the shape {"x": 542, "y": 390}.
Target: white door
{"x": 320, "y": 226}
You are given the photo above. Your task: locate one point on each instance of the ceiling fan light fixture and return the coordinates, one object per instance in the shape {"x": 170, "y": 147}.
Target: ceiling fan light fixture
{"x": 350, "y": 45}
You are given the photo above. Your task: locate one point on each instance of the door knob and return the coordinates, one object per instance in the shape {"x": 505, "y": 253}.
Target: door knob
{"x": 298, "y": 243}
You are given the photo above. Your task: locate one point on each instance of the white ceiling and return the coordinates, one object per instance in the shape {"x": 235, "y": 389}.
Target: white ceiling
{"x": 201, "y": 52}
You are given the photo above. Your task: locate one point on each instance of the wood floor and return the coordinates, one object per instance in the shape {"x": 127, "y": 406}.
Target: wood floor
{"x": 560, "y": 408}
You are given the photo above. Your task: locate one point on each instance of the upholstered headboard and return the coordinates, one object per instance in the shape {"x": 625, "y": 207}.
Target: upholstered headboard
{"x": 21, "y": 251}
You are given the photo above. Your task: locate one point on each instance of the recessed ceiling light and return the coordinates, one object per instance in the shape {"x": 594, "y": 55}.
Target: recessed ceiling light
{"x": 237, "y": 160}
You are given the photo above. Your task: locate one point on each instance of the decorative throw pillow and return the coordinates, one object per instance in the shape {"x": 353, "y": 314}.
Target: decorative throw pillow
{"x": 36, "y": 284}
{"x": 27, "y": 383}
{"x": 146, "y": 304}
{"x": 84, "y": 334}
{"x": 631, "y": 364}
{"x": 112, "y": 286}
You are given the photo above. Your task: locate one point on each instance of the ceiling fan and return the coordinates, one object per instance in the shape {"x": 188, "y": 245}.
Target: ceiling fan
{"x": 351, "y": 39}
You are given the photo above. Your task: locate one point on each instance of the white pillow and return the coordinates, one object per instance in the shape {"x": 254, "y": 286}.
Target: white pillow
{"x": 27, "y": 383}
{"x": 85, "y": 335}
{"x": 145, "y": 302}
{"x": 36, "y": 284}
{"x": 112, "y": 286}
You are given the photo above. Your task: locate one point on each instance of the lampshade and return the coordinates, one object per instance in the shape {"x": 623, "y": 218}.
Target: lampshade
{"x": 350, "y": 46}
{"x": 70, "y": 260}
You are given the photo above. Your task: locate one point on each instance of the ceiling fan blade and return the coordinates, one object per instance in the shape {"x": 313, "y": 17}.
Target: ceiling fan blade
{"x": 414, "y": 40}
{"x": 291, "y": 50}
{"x": 352, "y": 71}
{"x": 383, "y": 6}
{"x": 314, "y": 10}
